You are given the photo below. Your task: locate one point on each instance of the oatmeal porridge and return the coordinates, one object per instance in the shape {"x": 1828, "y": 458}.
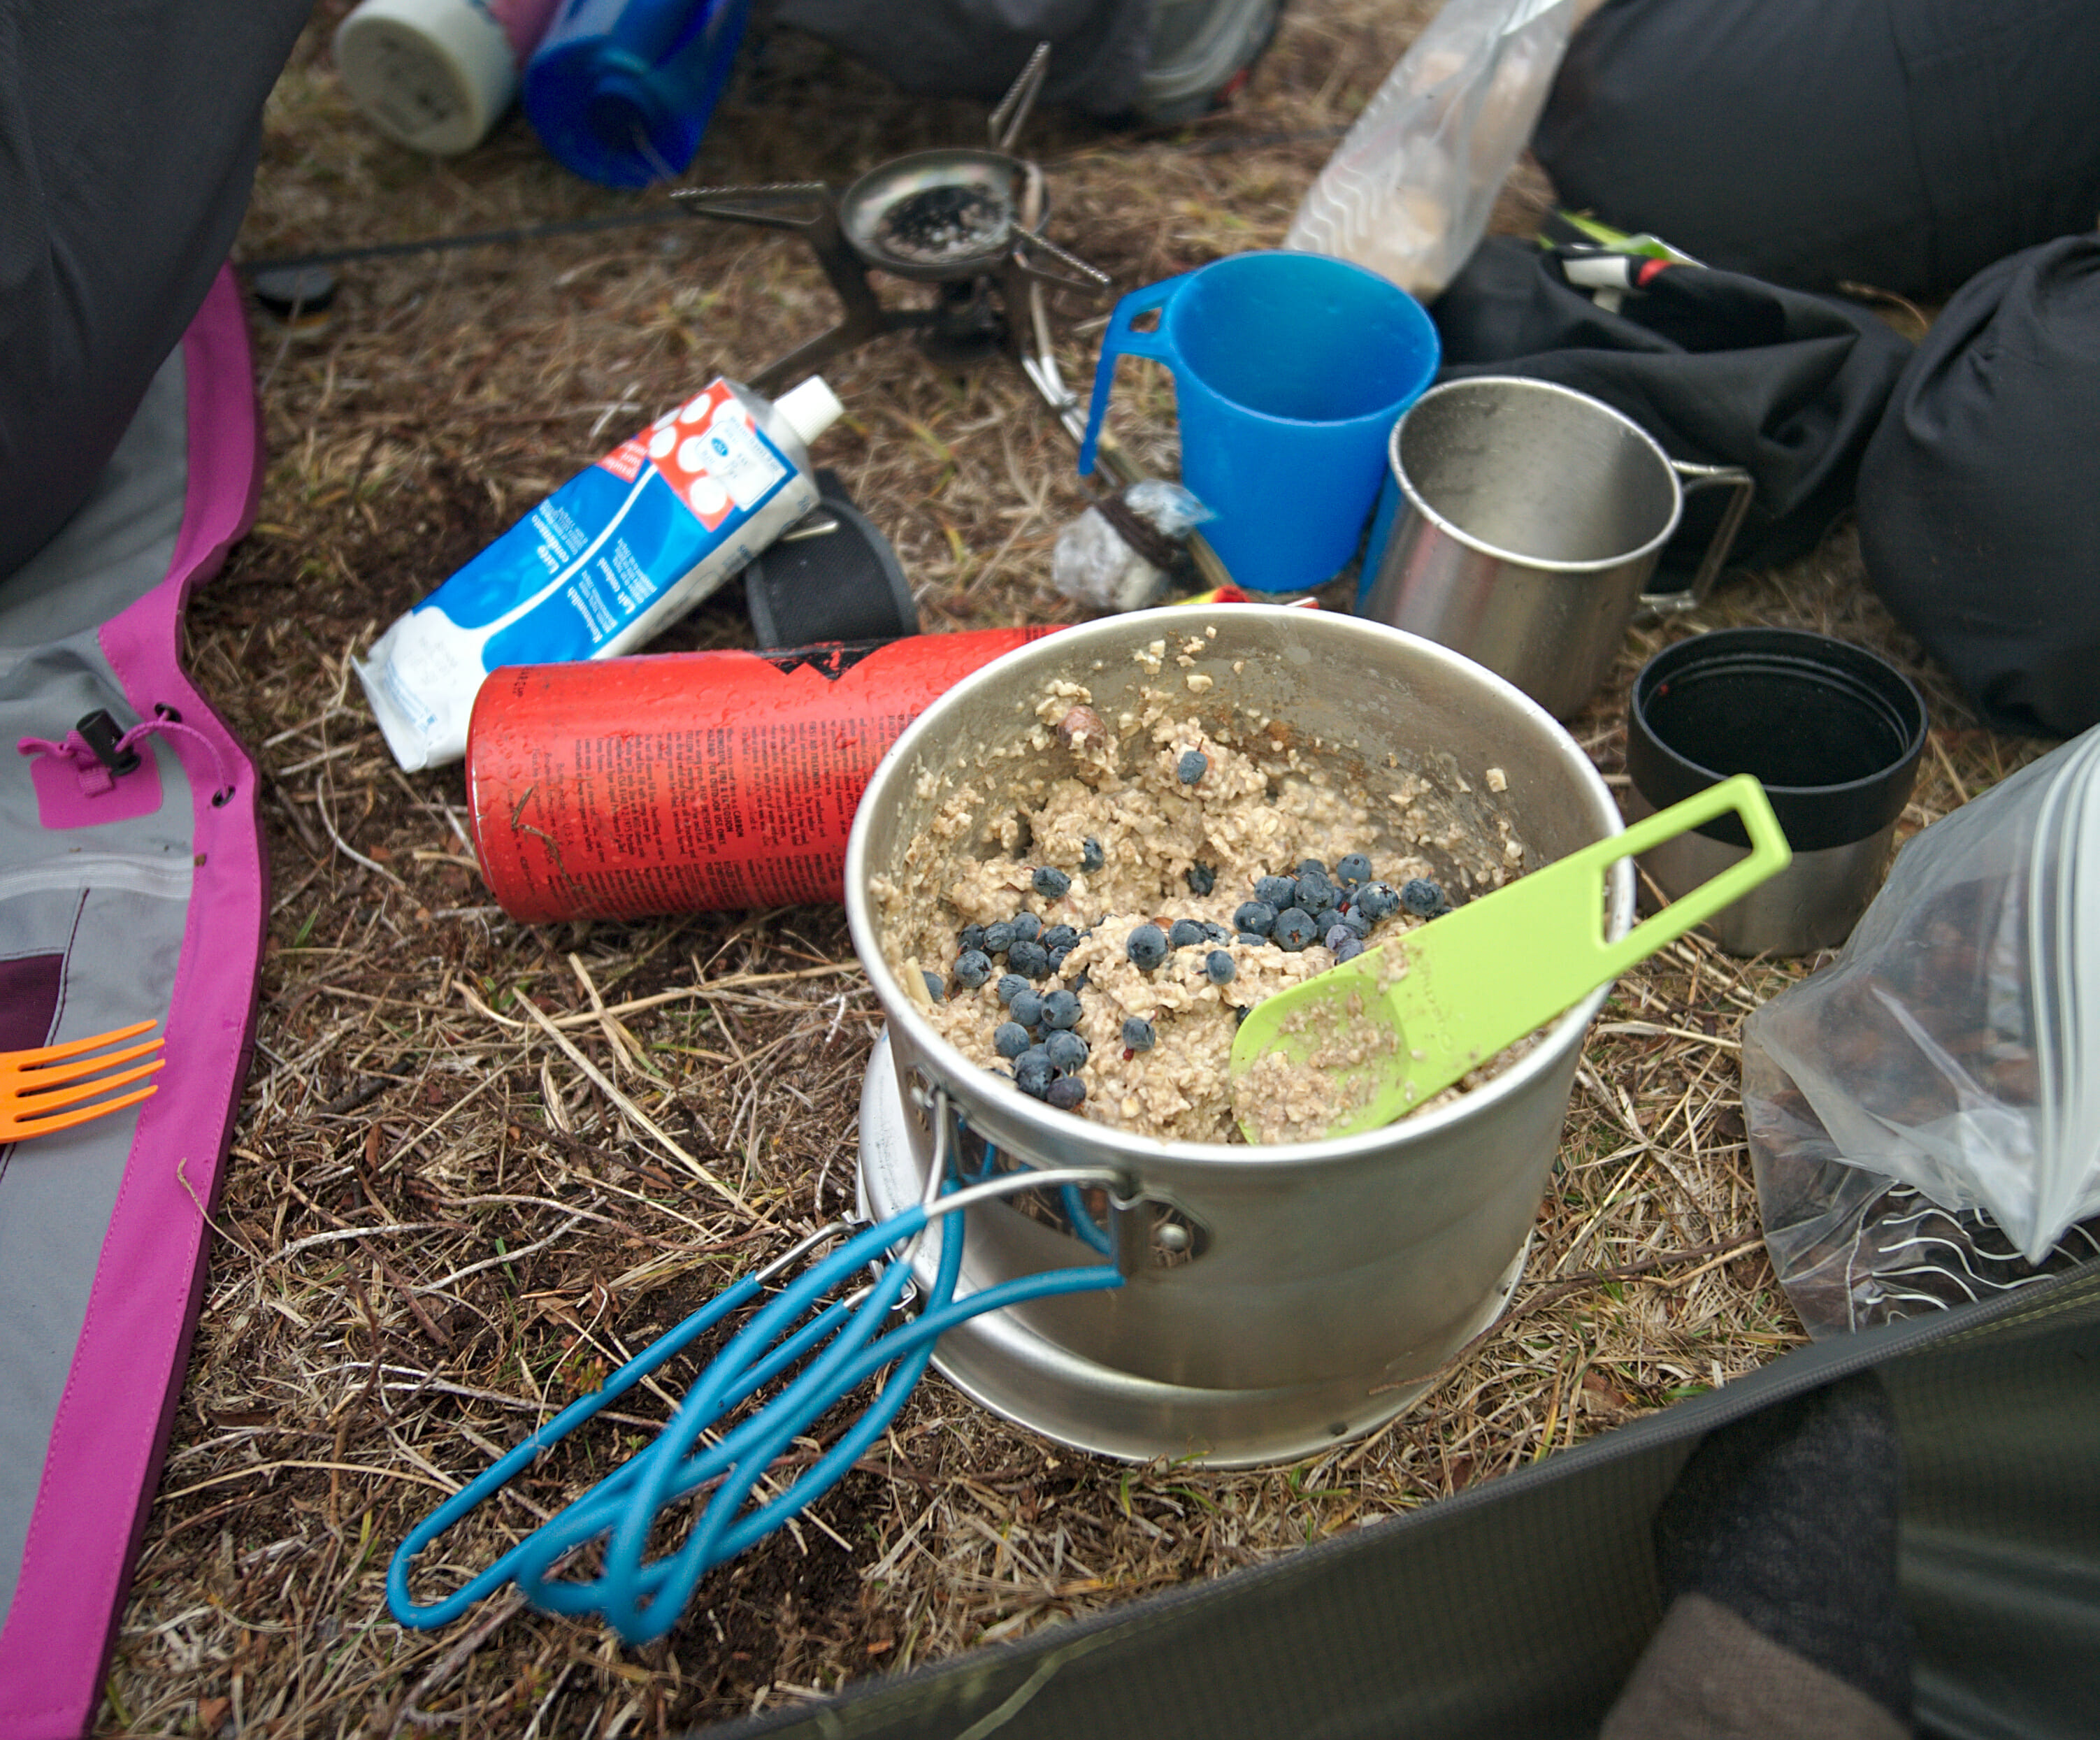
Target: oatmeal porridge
{"x": 1092, "y": 910}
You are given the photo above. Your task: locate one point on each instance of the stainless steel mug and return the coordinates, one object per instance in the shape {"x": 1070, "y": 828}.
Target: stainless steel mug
{"x": 1529, "y": 519}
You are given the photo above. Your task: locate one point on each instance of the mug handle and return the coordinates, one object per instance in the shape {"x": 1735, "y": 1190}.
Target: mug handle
{"x": 1653, "y": 604}
{"x": 1120, "y": 341}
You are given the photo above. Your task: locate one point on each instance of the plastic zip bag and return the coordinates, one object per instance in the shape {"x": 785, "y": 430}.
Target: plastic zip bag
{"x": 1955, "y": 1043}
{"x": 1409, "y": 191}
{"x": 1854, "y": 1250}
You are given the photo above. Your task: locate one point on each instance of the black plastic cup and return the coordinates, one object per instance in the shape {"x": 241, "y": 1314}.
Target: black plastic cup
{"x": 1833, "y": 732}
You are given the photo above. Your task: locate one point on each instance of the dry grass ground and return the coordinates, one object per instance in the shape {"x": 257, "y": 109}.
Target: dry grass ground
{"x": 439, "y": 1226}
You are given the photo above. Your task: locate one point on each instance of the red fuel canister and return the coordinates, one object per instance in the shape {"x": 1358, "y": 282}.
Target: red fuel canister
{"x": 696, "y": 781}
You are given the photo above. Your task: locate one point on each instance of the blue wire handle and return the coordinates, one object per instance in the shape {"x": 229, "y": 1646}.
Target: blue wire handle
{"x": 641, "y": 1597}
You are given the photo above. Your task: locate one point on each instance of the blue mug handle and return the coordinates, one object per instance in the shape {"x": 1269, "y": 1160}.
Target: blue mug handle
{"x": 1120, "y": 341}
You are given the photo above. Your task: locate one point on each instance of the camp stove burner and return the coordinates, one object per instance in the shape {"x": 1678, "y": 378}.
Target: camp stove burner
{"x": 941, "y": 225}
{"x": 946, "y": 217}
{"x": 968, "y": 221}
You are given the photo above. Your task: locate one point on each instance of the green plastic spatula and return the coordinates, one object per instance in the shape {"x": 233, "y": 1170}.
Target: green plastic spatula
{"x": 1403, "y": 1021}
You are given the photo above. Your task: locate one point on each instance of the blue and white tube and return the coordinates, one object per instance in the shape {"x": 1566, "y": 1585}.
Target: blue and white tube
{"x": 607, "y": 560}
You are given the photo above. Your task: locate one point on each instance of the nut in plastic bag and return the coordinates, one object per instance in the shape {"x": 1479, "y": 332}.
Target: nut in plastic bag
{"x": 1409, "y": 191}
{"x": 1101, "y": 564}
{"x": 1954, "y": 1045}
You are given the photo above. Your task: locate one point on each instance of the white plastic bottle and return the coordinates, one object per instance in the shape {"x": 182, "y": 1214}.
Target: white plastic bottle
{"x": 610, "y": 558}
{"x": 435, "y": 74}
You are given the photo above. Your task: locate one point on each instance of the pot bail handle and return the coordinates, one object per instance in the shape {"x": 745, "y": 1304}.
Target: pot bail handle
{"x": 1119, "y": 340}
{"x": 1654, "y": 604}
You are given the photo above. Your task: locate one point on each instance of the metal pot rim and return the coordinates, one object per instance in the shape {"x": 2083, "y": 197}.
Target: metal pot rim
{"x": 1540, "y": 564}
{"x": 1126, "y": 1145}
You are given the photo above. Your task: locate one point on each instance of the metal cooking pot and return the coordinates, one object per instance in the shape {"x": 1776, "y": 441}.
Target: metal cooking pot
{"x": 1287, "y": 1296}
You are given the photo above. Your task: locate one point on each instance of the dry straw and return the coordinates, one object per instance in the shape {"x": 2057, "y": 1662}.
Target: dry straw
{"x": 477, "y": 1165}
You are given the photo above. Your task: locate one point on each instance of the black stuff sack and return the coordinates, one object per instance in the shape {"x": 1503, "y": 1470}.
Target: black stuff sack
{"x": 1902, "y": 143}
{"x": 975, "y": 48}
{"x": 1720, "y": 369}
{"x": 1977, "y": 496}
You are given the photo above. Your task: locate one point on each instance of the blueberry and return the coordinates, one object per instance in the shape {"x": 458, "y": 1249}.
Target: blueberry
{"x": 1010, "y": 985}
{"x": 1257, "y": 916}
{"x": 1423, "y": 898}
{"x": 1376, "y": 901}
{"x": 1067, "y": 1050}
{"x": 1032, "y": 1072}
{"x": 1356, "y": 921}
{"x": 1052, "y": 884}
{"x": 1186, "y": 933}
{"x": 972, "y": 968}
{"x": 1277, "y": 892}
{"x": 1027, "y": 927}
{"x": 1060, "y": 936}
{"x": 1354, "y": 868}
{"x": 1202, "y": 878}
{"x": 934, "y": 988}
{"x": 1026, "y": 1008}
{"x": 1080, "y": 983}
{"x": 1067, "y": 1093}
{"x": 1314, "y": 893}
{"x": 1192, "y": 766}
{"x": 998, "y": 938}
{"x": 1058, "y": 956}
{"x": 1031, "y": 959}
{"x": 1250, "y": 940}
{"x": 1090, "y": 854}
{"x": 1146, "y": 946}
{"x": 1215, "y": 931}
{"x": 1337, "y": 934}
{"x": 1352, "y": 946}
{"x": 1009, "y": 1038}
{"x": 1137, "y": 1034}
{"x": 1294, "y": 930}
{"x": 1061, "y": 1008}
{"x": 972, "y": 937}
{"x": 1218, "y": 967}
{"x": 1326, "y": 919}
{"x": 1313, "y": 867}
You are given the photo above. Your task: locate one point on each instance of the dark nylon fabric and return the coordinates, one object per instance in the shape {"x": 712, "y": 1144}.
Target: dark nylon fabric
{"x": 1902, "y": 143}
{"x": 975, "y": 48}
{"x": 1720, "y": 369}
{"x": 1518, "y": 1607}
{"x": 1977, "y": 498}
{"x": 128, "y": 137}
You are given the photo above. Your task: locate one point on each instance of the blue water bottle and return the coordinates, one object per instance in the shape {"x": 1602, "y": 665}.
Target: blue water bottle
{"x": 621, "y": 91}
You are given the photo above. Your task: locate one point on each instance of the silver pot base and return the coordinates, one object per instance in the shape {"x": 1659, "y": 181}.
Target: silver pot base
{"x": 1004, "y": 1365}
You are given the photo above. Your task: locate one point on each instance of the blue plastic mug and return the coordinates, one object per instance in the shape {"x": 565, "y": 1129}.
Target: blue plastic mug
{"x": 1289, "y": 371}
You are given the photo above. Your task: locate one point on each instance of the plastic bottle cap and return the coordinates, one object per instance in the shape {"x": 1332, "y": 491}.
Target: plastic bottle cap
{"x": 810, "y": 409}
{"x": 433, "y": 74}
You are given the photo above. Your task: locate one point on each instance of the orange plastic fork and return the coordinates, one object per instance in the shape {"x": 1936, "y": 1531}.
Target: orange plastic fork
{"x": 57, "y": 1086}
